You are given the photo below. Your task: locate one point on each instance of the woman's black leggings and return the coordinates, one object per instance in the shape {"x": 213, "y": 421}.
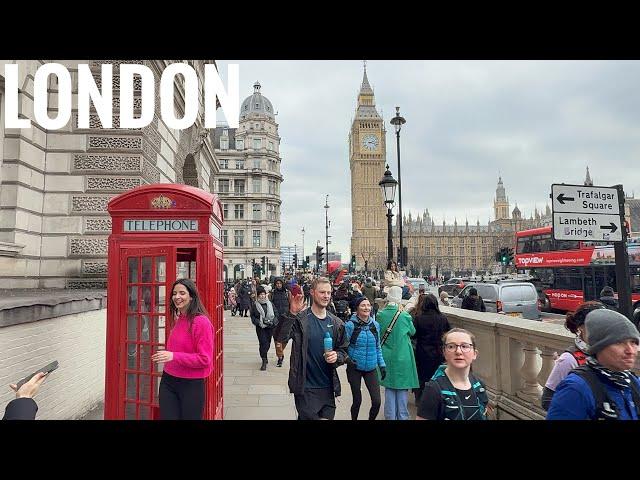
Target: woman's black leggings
{"x": 264, "y": 340}
{"x": 371, "y": 381}
{"x": 181, "y": 398}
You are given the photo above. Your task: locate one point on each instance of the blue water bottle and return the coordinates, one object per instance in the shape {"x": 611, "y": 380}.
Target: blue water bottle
{"x": 328, "y": 342}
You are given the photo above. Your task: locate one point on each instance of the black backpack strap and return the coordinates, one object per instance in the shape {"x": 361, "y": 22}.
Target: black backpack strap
{"x": 605, "y": 407}
{"x": 356, "y": 332}
{"x": 374, "y": 330}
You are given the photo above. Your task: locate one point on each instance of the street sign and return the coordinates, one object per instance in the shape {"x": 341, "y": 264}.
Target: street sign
{"x": 586, "y": 227}
{"x": 586, "y": 213}
{"x": 583, "y": 199}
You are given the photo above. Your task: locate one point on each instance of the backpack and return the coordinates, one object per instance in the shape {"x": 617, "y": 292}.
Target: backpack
{"x": 606, "y": 408}
{"x": 357, "y": 328}
{"x": 452, "y": 405}
{"x": 578, "y": 354}
{"x": 341, "y": 307}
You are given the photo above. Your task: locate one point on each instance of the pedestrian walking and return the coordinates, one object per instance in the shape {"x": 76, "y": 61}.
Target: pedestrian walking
{"x": 364, "y": 350}
{"x": 444, "y": 299}
{"x": 244, "y": 298}
{"x": 608, "y": 299}
{"x": 430, "y": 325}
{"x": 265, "y": 317}
{"x": 280, "y": 299}
{"x": 188, "y": 357}
{"x": 572, "y": 357}
{"x": 454, "y": 393}
{"x": 473, "y": 301}
{"x": 397, "y": 328}
{"x": 232, "y": 299}
{"x": 604, "y": 388}
{"x": 313, "y": 378}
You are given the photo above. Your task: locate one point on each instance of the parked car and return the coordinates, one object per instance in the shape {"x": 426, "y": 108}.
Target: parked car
{"x": 453, "y": 286}
{"x": 416, "y": 282}
{"x": 517, "y": 299}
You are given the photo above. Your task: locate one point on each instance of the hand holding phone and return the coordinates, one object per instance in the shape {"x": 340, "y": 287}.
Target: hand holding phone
{"x": 46, "y": 370}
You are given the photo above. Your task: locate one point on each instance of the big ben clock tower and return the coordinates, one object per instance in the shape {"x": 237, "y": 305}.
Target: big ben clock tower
{"x": 367, "y": 154}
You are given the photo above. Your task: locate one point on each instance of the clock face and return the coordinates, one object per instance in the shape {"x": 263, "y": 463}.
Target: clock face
{"x": 370, "y": 142}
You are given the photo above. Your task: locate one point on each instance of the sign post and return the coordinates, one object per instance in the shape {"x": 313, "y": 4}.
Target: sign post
{"x": 596, "y": 214}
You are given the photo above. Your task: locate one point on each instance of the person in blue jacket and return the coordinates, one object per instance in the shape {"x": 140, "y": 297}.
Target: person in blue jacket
{"x": 605, "y": 387}
{"x": 365, "y": 353}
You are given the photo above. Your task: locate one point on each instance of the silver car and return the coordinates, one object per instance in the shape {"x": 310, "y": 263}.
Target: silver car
{"x": 516, "y": 299}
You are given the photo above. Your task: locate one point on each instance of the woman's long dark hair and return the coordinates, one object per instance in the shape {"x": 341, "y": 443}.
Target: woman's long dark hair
{"x": 195, "y": 305}
{"x": 575, "y": 319}
{"x": 391, "y": 262}
{"x": 430, "y": 303}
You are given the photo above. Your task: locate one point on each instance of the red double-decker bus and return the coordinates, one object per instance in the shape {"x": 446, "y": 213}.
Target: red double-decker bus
{"x": 572, "y": 272}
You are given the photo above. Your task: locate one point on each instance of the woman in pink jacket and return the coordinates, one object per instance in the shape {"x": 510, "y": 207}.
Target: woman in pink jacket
{"x": 188, "y": 357}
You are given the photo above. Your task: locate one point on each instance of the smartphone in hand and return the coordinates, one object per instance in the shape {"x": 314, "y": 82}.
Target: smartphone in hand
{"x": 46, "y": 369}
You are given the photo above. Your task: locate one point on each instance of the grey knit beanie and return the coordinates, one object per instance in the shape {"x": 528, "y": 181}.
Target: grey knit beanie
{"x": 606, "y": 327}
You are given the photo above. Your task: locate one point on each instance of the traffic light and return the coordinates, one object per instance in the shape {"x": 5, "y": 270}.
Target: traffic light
{"x": 503, "y": 256}
{"x": 295, "y": 260}
{"x": 353, "y": 263}
{"x": 284, "y": 267}
{"x": 319, "y": 255}
{"x": 405, "y": 256}
{"x": 509, "y": 256}
{"x": 264, "y": 264}
{"x": 307, "y": 261}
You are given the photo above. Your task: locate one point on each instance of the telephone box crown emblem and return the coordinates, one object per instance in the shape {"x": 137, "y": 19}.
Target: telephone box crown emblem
{"x": 163, "y": 202}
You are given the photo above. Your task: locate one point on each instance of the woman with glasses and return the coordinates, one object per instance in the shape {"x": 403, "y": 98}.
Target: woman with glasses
{"x": 454, "y": 393}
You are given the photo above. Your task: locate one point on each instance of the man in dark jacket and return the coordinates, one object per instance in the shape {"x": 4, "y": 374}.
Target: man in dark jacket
{"x": 24, "y": 407}
{"x": 473, "y": 301}
{"x": 313, "y": 378}
{"x": 280, "y": 300}
{"x": 607, "y": 299}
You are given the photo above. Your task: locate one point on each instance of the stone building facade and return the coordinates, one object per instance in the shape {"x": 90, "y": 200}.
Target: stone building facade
{"x": 249, "y": 187}
{"x": 367, "y": 156}
{"x": 55, "y": 185}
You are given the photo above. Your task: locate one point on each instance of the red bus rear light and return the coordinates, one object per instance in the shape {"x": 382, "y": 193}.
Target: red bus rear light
{"x": 498, "y": 306}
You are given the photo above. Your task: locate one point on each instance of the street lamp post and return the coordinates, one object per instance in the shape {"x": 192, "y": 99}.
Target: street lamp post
{"x": 397, "y": 122}
{"x": 302, "y": 243}
{"x": 326, "y": 226}
{"x": 388, "y": 185}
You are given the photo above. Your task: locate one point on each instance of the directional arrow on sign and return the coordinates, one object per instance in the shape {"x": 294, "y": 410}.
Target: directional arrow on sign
{"x": 561, "y": 198}
{"x": 613, "y": 227}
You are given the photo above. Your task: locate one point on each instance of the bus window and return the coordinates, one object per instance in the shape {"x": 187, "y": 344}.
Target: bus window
{"x": 635, "y": 279}
{"x": 567, "y": 245}
{"x": 545, "y": 243}
{"x": 568, "y": 279}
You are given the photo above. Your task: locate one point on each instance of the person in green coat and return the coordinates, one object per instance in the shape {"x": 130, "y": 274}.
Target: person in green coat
{"x": 399, "y": 357}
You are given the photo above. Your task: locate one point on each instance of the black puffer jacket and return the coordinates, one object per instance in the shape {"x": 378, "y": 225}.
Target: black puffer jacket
{"x": 610, "y": 302}
{"x": 471, "y": 302}
{"x": 295, "y": 327}
{"x": 280, "y": 298}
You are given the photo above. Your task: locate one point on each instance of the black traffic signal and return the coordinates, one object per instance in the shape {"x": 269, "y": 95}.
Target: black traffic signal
{"x": 284, "y": 267}
{"x": 295, "y": 260}
{"x": 307, "y": 261}
{"x": 509, "y": 256}
{"x": 319, "y": 255}
{"x": 264, "y": 264}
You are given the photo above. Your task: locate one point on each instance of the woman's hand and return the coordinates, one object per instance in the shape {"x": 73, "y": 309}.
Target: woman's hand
{"x": 162, "y": 356}
{"x": 29, "y": 389}
{"x": 296, "y": 305}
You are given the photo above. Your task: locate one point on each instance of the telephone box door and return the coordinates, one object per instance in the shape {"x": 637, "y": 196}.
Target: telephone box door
{"x": 142, "y": 326}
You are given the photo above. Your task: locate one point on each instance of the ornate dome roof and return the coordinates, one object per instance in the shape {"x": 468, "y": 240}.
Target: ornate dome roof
{"x": 256, "y": 103}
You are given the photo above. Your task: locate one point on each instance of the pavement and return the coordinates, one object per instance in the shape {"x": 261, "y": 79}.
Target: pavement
{"x": 251, "y": 394}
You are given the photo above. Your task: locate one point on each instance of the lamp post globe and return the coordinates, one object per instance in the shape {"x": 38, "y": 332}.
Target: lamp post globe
{"x": 388, "y": 185}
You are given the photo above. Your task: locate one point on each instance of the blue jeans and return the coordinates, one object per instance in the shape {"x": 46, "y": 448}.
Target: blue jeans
{"x": 395, "y": 404}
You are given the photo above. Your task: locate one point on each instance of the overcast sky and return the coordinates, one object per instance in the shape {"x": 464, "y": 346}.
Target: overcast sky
{"x": 532, "y": 122}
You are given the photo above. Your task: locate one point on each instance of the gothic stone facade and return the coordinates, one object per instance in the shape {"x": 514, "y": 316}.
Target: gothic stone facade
{"x": 55, "y": 185}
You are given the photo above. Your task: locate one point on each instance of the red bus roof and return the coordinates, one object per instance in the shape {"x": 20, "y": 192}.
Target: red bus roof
{"x": 534, "y": 231}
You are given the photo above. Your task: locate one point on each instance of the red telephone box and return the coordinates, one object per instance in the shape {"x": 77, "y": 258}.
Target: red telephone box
{"x": 160, "y": 233}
